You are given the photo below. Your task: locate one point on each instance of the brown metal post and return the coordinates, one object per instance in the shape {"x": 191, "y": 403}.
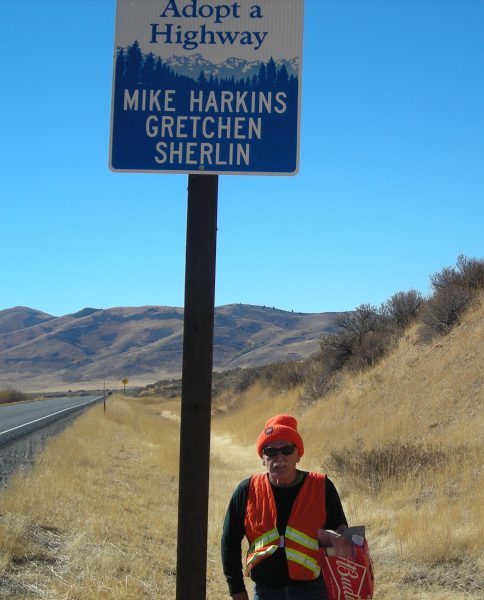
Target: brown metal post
{"x": 196, "y": 387}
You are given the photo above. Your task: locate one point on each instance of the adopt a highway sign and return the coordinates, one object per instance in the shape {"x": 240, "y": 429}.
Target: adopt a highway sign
{"x": 207, "y": 86}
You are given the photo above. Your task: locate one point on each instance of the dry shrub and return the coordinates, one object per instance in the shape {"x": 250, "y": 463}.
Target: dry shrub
{"x": 282, "y": 377}
{"x": 7, "y": 396}
{"x": 455, "y": 289}
{"x": 319, "y": 380}
{"x": 444, "y": 310}
{"x": 371, "y": 468}
{"x": 403, "y": 308}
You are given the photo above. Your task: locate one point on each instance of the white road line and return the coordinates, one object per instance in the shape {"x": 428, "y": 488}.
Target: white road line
{"x": 47, "y": 416}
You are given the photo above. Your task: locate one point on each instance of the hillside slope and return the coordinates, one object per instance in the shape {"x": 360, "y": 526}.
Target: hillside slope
{"x": 403, "y": 443}
{"x": 20, "y": 318}
{"x": 38, "y": 351}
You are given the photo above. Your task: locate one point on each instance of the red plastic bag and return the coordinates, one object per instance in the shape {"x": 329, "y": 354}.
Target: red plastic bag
{"x": 346, "y": 578}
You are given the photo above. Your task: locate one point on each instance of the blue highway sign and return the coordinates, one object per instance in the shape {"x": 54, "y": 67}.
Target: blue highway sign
{"x": 207, "y": 86}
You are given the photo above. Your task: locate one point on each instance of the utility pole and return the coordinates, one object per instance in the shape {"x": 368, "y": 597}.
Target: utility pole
{"x": 196, "y": 387}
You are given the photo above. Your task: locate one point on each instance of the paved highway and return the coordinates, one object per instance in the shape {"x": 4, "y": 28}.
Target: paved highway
{"x": 17, "y": 418}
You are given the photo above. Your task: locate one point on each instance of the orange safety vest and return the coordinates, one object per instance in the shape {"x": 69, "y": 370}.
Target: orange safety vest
{"x": 300, "y": 540}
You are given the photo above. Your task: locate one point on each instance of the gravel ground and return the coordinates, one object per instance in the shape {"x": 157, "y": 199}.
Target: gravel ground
{"x": 20, "y": 453}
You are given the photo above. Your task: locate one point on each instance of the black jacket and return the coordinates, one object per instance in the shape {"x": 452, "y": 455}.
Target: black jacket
{"x": 272, "y": 571}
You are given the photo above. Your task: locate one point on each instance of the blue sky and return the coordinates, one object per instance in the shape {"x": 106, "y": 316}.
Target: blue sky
{"x": 390, "y": 188}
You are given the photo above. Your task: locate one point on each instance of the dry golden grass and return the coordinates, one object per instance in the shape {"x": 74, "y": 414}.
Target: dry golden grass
{"x": 96, "y": 517}
{"x": 107, "y": 488}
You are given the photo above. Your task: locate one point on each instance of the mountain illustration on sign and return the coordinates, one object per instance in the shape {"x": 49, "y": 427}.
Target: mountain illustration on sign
{"x": 231, "y": 67}
{"x": 135, "y": 68}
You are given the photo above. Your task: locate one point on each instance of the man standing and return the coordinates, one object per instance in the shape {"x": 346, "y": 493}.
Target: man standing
{"x": 285, "y": 514}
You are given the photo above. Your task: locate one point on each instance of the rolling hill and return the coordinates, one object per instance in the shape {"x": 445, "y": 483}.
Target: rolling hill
{"x": 39, "y": 351}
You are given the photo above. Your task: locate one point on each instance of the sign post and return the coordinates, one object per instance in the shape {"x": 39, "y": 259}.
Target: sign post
{"x": 204, "y": 87}
{"x": 196, "y": 387}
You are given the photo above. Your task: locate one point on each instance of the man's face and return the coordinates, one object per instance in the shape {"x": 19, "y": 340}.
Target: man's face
{"x": 281, "y": 467}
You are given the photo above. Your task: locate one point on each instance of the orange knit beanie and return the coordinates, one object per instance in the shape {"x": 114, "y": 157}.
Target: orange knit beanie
{"x": 280, "y": 427}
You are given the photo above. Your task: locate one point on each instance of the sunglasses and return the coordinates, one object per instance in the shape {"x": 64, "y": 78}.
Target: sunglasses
{"x": 271, "y": 451}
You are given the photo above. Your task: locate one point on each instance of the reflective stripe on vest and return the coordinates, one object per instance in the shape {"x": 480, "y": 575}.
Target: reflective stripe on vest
{"x": 303, "y": 560}
{"x": 264, "y": 539}
{"x": 255, "y": 557}
{"x": 301, "y": 538}
{"x": 255, "y": 554}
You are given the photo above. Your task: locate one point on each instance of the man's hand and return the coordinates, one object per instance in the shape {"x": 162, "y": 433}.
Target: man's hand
{"x": 342, "y": 546}
{"x": 240, "y": 596}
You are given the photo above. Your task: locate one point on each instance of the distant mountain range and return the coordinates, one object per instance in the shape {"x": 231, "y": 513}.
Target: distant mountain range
{"x": 238, "y": 68}
{"x": 144, "y": 344}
